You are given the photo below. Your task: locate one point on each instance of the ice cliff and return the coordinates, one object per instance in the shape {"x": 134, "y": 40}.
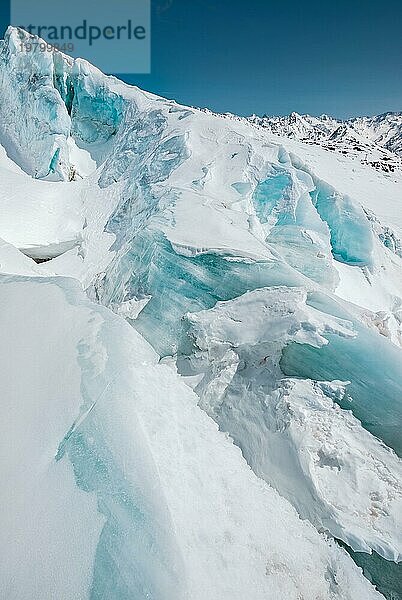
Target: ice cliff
{"x": 201, "y": 350}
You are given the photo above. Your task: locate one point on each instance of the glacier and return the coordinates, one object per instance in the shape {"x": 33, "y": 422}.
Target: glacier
{"x": 202, "y": 346}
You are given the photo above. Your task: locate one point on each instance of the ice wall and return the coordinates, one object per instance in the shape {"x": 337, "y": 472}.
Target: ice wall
{"x": 35, "y": 124}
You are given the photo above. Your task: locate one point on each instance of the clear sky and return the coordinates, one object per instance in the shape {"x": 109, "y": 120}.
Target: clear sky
{"x": 340, "y": 57}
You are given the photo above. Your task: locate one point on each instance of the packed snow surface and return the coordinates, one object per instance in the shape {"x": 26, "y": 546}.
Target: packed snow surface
{"x": 201, "y": 348}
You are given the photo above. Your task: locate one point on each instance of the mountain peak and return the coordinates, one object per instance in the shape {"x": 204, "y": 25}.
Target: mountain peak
{"x": 376, "y": 140}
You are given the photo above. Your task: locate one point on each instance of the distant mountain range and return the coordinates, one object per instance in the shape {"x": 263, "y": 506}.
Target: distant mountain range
{"x": 377, "y": 140}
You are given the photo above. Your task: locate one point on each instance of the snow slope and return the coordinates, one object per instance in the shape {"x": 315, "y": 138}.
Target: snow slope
{"x": 169, "y": 523}
{"x": 167, "y": 249}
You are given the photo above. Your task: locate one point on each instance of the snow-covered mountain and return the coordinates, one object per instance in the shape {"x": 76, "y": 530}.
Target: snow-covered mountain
{"x": 201, "y": 351}
{"x": 375, "y": 140}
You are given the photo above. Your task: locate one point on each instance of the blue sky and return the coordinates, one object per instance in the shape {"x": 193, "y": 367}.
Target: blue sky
{"x": 340, "y": 57}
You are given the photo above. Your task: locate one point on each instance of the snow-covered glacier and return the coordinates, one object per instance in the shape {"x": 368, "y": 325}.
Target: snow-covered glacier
{"x": 201, "y": 351}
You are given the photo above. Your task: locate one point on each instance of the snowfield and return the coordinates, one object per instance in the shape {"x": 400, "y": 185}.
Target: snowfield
{"x": 201, "y": 350}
